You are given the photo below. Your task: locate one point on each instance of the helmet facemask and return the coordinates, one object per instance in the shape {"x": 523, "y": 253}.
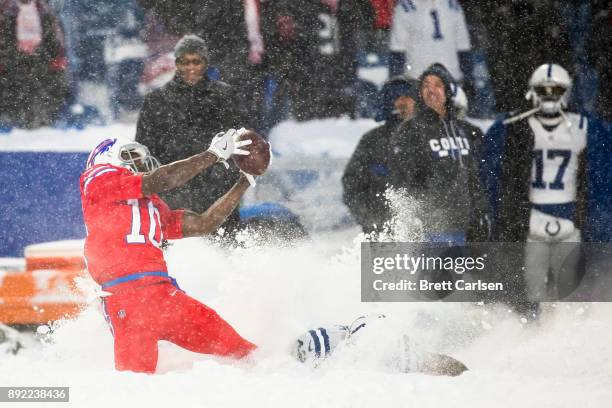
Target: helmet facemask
{"x": 550, "y": 98}
{"x": 137, "y": 158}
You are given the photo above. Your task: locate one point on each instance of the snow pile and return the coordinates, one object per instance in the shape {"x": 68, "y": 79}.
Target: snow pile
{"x": 62, "y": 140}
{"x": 271, "y": 295}
{"x": 332, "y": 138}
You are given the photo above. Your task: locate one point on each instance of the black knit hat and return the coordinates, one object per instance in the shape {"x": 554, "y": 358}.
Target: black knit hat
{"x": 191, "y": 44}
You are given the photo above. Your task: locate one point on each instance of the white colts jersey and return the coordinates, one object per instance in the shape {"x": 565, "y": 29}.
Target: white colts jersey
{"x": 554, "y": 172}
{"x": 429, "y": 31}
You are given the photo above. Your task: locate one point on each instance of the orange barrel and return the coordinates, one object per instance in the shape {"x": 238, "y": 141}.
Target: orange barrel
{"x": 42, "y": 288}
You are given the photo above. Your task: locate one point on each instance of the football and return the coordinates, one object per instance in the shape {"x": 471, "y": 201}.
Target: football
{"x": 258, "y": 161}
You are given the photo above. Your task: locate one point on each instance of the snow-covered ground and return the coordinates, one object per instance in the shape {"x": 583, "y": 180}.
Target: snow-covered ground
{"x": 271, "y": 295}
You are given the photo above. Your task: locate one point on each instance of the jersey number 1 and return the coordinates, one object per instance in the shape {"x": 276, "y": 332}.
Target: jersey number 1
{"x": 437, "y": 34}
{"x": 135, "y": 237}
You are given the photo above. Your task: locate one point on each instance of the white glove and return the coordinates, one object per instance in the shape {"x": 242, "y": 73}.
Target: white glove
{"x": 225, "y": 144}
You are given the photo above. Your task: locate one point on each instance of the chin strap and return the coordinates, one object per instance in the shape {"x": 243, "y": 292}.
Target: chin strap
{"x": 521, "y": 116}
{"x": 532, "y": 112}
{"x": 547, "y": 119}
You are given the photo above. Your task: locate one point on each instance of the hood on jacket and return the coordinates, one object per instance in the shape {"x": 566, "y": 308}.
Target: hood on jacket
{"x": 393, "y": 89}
{"x": 441, "y": 72}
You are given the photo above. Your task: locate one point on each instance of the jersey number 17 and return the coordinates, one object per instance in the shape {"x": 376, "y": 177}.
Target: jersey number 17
{"x": 538, "y": 157}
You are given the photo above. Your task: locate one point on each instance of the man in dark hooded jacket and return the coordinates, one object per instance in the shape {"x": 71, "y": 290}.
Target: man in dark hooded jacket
{"x": 434, "y": 157}
{"x": 367, "y": 174}
{"x": 182, "y": 117}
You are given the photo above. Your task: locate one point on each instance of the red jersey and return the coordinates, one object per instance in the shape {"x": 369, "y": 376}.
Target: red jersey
{"x": 125, "y": 229}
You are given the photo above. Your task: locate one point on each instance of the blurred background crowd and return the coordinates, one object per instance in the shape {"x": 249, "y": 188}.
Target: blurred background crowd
{"x": 73, "y": 62}
{"x": 533, "y": 74}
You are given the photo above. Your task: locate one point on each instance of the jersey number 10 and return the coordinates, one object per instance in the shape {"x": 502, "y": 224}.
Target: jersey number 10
{"x": 135, "y": 237}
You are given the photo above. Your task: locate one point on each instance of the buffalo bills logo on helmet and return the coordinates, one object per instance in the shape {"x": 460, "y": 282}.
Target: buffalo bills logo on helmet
{"x": 100, "y": 149}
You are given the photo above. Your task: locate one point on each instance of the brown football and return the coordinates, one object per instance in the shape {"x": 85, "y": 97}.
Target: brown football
{"x": 258, "y": 161}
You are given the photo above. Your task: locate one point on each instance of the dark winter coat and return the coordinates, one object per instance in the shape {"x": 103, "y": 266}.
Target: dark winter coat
{"x": 290, "y": 36}
{"x": 51, "y": 49}
{"x": 33, "y": 88}
{"x": 366, "y": 176}
{"x": 513, "y": 205}
{"x": 310, "y": 50}
{"x": 598, "y": 48}
{"x": 520, "y": 36}
{"x": 178, "y": 121}
{"x": 436, "y": 161}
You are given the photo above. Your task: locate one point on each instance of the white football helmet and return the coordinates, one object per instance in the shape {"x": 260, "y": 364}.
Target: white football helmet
{"x": 549, "y": 88}
{"x": 123, "y": 153}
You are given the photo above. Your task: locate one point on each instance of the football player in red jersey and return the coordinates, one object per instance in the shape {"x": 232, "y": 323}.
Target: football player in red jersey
{"x": 126, "y": 224}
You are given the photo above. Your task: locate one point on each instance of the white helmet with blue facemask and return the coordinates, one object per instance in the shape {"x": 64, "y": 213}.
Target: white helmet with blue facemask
{"x": 549, "y": 88}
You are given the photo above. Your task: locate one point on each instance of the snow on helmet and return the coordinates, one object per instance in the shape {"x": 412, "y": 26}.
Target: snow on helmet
{"x": 549, "y": 88}
{"x": 123, "y": 153}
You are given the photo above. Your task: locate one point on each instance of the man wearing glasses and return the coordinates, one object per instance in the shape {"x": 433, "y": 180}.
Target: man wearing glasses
{"x": 180, "y": 119}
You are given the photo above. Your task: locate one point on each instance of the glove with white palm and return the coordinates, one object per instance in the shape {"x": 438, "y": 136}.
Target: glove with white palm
{"x": 225, "y": 144}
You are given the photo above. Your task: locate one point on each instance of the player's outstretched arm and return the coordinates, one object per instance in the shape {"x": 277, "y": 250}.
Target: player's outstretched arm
{"x": 175, "y": 174}
{"x": 210, "y": 220}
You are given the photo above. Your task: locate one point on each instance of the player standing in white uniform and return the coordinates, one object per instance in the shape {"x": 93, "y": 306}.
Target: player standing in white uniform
{"x": 424, "y": 32}
{"x": 559, "y": 142}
